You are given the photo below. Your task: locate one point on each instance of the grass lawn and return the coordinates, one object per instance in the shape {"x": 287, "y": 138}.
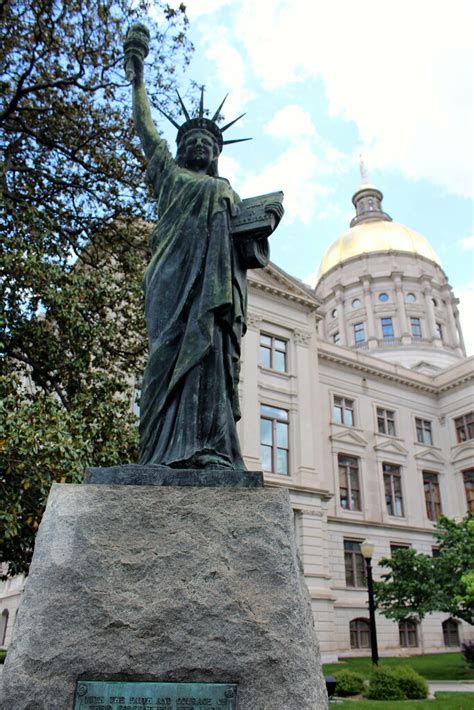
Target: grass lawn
{"x": 437, "y": 666}
{"x": 444, "y": 701}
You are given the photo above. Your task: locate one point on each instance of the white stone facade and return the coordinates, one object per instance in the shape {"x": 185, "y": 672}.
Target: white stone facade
{"x": 317, "y": 372}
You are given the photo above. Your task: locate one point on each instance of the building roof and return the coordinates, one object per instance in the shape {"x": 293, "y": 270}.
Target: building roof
{"x": 376, "y": 236}
{"x": 372, "y": 230}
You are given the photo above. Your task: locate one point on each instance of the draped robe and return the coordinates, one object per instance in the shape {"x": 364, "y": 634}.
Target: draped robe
{"x": 195, "y": 305}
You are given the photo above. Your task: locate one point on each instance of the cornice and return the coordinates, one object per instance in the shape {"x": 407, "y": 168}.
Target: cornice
{"x": 322, "y": 493}
{"x": 450, "y": 378}
{"x": 376, "y": 368}
{"x": 364, "y": 524}
{"x": 284, "y": 286}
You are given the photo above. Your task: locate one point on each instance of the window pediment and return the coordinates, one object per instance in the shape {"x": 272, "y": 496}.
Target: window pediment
{"x": 430, "y": 455}
{"x": 348, "y": 436}
{"x": 463, "y": 452}
{"x": 391, "y": 447}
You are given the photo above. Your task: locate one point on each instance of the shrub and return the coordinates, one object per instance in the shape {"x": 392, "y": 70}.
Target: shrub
{"x": 349, "y": 683}
{"x": 467, "y": 649}
{"x": 411, "y": 683}
{"x": 384, "y": 685}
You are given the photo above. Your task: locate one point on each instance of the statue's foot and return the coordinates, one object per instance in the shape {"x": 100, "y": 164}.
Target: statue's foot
{"x": 204, "y": 459}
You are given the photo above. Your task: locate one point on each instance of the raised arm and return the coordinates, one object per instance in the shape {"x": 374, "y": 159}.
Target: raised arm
{"x": 144, "y": 125}
{"x": 136, "y": 49}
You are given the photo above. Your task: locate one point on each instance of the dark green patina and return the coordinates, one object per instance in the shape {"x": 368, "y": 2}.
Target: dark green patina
{"x": 195, "y": 287}
{"x": 126, "y": 695}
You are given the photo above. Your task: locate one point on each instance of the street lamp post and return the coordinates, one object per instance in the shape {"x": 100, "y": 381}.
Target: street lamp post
{"x": 367, "y": 550}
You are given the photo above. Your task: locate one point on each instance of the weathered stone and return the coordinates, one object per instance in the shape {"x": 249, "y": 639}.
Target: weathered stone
{"x": 139, "y": 475}
{"x": 166, "y": 584}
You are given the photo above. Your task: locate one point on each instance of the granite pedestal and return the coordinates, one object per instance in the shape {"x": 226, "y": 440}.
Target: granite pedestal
{"x": 153, "y": 583}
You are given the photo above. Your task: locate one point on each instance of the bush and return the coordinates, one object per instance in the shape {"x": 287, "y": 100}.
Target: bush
{"x": 349, "y": 683}
{"x": 384, "y": 685}
{"x": 467, "y": 649}
{"x": 411, "y": 683}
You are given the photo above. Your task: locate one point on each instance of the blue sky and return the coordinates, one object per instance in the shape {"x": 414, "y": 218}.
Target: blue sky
{"x": 322, "y": 83}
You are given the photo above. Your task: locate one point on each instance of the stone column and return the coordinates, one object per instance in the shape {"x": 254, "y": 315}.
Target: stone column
{"x": 303, "y": 454}
{"x": 248, "y": 427}
{"x": 454, "y": 336}
{"x": 402, "y": 314}
{"x": 341, "y": 316}
{"x": 430, "y": 314}
{"x": 369, "y": 309}
{"x": 461, "y": 346}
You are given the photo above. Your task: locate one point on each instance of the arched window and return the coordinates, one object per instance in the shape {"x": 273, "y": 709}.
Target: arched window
{"x": 408, "y": 634}
{"x": 451, "y": 632}
{"x": 360, "y": 633}
{"x": 3, "y": 626}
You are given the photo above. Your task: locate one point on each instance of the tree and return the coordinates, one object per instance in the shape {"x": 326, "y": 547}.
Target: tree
{"x": 74, "y": 205}
{"x": 418, "y": 584}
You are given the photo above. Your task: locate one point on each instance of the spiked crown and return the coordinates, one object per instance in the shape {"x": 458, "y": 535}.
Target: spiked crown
{"x": 201, "y": 122}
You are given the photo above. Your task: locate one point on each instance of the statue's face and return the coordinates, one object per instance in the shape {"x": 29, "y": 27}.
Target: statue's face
{"x": 199, "y": 150}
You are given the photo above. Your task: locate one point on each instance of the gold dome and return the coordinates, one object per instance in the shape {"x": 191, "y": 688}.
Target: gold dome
{"x": 376, "y": 236}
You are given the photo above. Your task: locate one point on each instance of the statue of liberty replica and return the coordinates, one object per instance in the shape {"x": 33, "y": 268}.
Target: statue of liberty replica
{"x": 195, "y": 288}
{"x": 175, "y": 582}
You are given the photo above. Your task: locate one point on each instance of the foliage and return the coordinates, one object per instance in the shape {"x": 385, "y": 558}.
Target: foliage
{"x": 442, "y": 701}
{"x": 418, "y": 584}
{"x": 467, "y": 649}
{"x": 407, "y": 590}
{"x": 349, "y": 683}
{"x": 74, "y": 204}
{"x": 434, "y": 666}
{"x": 384, "y": 685}
{"x": 411, "y": 683}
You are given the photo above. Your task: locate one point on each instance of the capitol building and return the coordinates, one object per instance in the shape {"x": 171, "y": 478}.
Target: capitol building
{"x": 357, "y": 396}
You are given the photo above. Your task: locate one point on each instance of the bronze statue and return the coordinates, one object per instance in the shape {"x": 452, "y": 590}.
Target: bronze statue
{"x": 195, "y": 287}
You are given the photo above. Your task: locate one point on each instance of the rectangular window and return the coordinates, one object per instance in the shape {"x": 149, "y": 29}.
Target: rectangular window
{"x": 392, "y": 481}
{"x": 415, "y": 325}
{"x": 354, "y": 564}
{"x": 423, "y": 431}
{"x": 464, "y": 426}
{"x": 273, "y": 352}
{"x": 386, "y": 421}
{"x": 387, "y": 328}
{"x": 439, "y": 330}
{"x": 349, "y": 487}
{"x": 469, "y": 488}
{"x": 395, "y": 546}
{"x": 336, "y": 338}
{"x": 343, "y": 411}
{"x": 359, "y": 333}
{"x": 408, "y": 634}
{"x": 274, "y": 449}
{"x": 432, "y": 496}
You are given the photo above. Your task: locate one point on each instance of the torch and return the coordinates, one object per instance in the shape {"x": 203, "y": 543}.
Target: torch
{"x": 136, "y": 44}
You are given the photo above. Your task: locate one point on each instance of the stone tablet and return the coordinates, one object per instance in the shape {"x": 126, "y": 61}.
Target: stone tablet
{"x": 124, "y": 695}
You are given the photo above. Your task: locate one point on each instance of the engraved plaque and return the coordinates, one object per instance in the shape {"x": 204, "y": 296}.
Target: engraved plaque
{"x": 124, "y": 695}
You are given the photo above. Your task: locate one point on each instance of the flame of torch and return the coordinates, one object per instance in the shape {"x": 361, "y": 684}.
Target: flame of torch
{"x": 137, "y": 43}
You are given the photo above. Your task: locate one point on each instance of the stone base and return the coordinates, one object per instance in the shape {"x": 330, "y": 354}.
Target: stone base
{"x": 137, "y": 475}
{"x": 165, "y": 584}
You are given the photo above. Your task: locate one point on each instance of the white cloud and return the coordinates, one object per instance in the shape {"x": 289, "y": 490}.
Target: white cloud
{"x": 230, "y": 67}
{"x": 467, "y": 244}
{"x": 465, "y": 294}
{"x": 198, "y": 8}
{"x": 291, "y": 122}
{"x": 401, "y": 71}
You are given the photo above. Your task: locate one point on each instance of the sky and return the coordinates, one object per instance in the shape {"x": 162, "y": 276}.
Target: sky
{"x": 324, "y": 83}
